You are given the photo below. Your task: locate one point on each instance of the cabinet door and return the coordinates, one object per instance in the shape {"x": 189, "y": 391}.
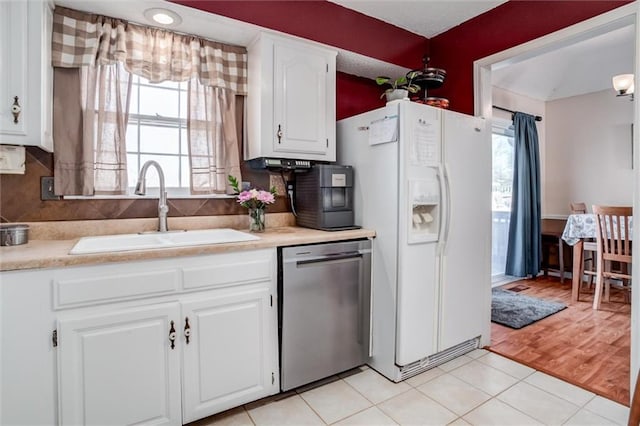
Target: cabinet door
{"x": 13, "y": 51}
{"x": 27, "y": 357}
{"x": 304, "y": 111}
{"x": 25, "y": 45}
{"x": 466, "y": 291}
{"x": 119, "y": 368}
{"x": 231, "y": 356}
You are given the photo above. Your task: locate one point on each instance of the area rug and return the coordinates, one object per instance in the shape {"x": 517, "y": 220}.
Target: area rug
{"x": 517, "y": 310}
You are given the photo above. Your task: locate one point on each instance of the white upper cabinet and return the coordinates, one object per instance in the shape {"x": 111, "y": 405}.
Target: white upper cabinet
{"x": 291, "y": 100}
{"x": 26, "y": 83}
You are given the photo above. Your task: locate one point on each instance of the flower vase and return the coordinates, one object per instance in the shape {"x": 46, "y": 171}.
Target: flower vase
{"x": 256, "y": 220}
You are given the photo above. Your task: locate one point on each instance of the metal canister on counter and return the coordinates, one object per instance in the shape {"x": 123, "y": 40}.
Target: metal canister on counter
{"x": 13, "y": 234}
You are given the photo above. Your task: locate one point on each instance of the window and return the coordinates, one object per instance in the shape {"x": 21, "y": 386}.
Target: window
{"x": 157, "y": 130}
{"x": 502, "y": 184}
{"x": 157, "y": 126}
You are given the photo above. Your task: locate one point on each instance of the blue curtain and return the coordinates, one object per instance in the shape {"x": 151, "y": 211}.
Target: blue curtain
{"x": 524, "y": 249}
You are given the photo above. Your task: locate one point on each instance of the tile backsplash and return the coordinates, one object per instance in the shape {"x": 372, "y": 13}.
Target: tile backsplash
{"x": 20, "y": 199}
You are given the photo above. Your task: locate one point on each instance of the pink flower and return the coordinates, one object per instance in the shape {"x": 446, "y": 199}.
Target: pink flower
{"x": 266, "y": 197}
{"x": 253, "y": 198}
{"x": 244, "y": 196}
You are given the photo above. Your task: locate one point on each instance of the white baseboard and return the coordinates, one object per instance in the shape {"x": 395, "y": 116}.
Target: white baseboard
{"x": 555, "y": 216}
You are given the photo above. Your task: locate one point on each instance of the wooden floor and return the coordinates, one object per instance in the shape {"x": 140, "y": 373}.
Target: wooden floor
{"x": 588, "y": 348}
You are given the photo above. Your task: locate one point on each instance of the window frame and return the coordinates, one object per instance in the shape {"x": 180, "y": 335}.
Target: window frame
{"x": 159, "y": 121}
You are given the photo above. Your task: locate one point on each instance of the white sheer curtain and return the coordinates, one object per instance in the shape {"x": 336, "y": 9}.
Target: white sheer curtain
{"x": 212, "y": 137}
{"x": 91, "y": 107}
{"x": 112, "y": 90}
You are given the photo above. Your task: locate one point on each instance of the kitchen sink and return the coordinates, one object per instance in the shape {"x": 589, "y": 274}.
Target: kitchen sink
{"x": 156, "y": 240}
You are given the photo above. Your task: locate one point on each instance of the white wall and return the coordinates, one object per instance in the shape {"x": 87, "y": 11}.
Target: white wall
{"x": 587, "y": 155}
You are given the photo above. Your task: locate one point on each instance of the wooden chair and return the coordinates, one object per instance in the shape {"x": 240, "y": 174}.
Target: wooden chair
{"x": 578, "y": 208}
{"x": 589, "y": 249}
{"x": 614, "y": 244}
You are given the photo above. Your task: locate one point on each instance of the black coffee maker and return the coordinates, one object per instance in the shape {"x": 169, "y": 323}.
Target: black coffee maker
{"x": 324, "y": 198}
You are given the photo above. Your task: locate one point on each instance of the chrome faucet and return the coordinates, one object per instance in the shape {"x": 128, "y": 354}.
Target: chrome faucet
{"x": 141, "y": 189}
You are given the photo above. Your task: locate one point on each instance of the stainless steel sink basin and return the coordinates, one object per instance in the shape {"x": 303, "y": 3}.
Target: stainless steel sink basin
{"x": 156, "y": 240}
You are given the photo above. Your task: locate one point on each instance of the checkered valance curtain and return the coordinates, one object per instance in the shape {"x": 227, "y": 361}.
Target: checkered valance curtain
{"x": 82, "y": 39}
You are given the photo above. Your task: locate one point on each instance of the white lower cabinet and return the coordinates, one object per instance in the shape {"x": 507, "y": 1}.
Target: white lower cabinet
{"x": 229, "y": 358}
{"x": 119, "y": 368}
{"x": 120, "y": 355}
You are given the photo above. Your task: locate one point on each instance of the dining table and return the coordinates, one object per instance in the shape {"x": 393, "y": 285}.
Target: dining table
{"x": 578, "y": 228}
{"x": 551, "y": 230}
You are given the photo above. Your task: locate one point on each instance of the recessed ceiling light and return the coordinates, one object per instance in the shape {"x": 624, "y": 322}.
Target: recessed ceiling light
{"x": 162, "y": 16}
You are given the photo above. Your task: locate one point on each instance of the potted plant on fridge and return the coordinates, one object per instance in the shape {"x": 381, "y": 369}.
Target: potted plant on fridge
{"x": 400, "y": 87}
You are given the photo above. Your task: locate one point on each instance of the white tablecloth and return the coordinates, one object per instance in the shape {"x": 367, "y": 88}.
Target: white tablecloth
{"x": 581, "y": 226}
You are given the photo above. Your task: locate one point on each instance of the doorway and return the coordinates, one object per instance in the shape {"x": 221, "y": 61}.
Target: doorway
{"x": 616, "y": 19}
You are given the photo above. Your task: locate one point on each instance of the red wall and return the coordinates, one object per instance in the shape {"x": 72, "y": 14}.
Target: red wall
{"x": 327, "y": 23}
{"x": 356, "y": 95}
{"x": 334, "y": 25}
{"x": 508, "y": 25}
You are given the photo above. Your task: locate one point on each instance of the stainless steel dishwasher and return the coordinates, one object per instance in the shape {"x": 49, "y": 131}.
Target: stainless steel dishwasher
{"x": 325, "y": 292}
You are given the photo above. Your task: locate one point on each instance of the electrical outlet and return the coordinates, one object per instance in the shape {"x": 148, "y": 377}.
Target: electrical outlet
{"x": 12, "y": 160}
{"x": 276, "y": 180}
{"x": 46, "y": 189}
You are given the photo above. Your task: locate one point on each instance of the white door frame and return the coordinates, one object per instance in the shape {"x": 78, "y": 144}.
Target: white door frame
{"x": 600, "y": 24}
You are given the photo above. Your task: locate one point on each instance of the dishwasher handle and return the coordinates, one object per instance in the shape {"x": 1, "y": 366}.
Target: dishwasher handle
{"x": 329, "y": 257}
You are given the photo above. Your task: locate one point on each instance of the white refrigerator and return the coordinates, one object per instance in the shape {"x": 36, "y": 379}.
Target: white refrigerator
{"x": 423, "y": 183}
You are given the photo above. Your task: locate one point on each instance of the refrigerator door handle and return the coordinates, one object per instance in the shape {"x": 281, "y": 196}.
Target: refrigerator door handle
{"x": 443, "y": 214}
{"x": 448, "y": 215}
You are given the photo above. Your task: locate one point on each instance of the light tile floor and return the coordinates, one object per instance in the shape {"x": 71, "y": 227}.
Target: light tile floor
{"x": 479, "y": 388}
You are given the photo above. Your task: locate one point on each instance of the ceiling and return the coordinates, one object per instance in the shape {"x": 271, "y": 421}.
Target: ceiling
{"x": 425, "y": 17}
{"x": 577, "y": 69}
{"x": 583, "y": 67}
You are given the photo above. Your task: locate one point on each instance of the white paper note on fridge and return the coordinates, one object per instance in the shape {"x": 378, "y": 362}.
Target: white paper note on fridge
{"x": 384, "y": 130}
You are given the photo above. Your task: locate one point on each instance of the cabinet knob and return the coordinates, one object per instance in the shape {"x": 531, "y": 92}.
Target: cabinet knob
{"x": 279, "y": 133}
{"x": 172, "y": 336}
{"x": 187, "y": 330}
{"x": 16, "y": 109}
